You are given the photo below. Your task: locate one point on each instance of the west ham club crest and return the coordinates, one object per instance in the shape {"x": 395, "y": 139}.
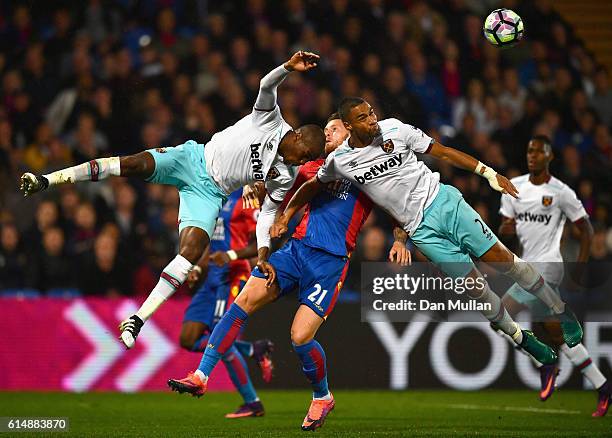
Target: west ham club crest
{"x": 387, "y": 146}
{"x": 547, "y": 201}
{"x": 272, "y": 173}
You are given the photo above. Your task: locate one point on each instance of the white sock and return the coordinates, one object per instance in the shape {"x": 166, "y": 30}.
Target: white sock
{"x": 579, "y": 356}
{"x": 325, "y": 397}
{"x": 203, "y": 377}
{"x": 512, "y": 342}
{"x": 94, "y": 170}
{"x": 170, "y": 280}
{"x": 529, "y": 279}
{"x": 499, "y": 315}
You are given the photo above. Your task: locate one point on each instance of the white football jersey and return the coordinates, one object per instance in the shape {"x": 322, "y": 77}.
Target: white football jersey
{"x": 388, "y": 171}
{"x": 247, "y": 152}
{"x": 540, "y": 213}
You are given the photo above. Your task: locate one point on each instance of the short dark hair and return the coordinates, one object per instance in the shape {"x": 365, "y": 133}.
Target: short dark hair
{"x": 346, "y": 105}
{"x": 314, "y": 138}
{"x": 545, "y": 141}
{"x": 333, "y": 116}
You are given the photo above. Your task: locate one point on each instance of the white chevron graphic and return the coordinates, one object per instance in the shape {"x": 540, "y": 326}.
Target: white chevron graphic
{"x": 158, "y": 350}
{"x": 107, "y": 348}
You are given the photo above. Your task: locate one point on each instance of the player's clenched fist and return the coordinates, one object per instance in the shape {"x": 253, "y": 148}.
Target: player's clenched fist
{"x": 302, "y": 61}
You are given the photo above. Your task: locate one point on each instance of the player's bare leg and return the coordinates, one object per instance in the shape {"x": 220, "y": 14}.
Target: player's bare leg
{"x": 305, "y": 325}
{"x": 193, "y": 243}
{"x": 523, "y": 273}
{"x": 253, "y": 297}
{"x": 139, "y": 165}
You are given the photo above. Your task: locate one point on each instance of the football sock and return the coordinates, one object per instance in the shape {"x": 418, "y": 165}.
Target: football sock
{"x": 239, "y": 374}
{"x": 579, "y": 356}
{"x": 94, "y": 170}
{"x": 312, "y": 357}
{"x": 244, "y": 347}
{"x": 529, "y": 279}
{"x": 170, "y": 280}
{"x": 222, "y": 337}
{"x": 498, "y": 314}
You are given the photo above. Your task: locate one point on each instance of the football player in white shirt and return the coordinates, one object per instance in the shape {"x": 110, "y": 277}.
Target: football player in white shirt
{"x": 379, "y": 158}
{"x": 537, "y": 218}
{"x": 259, "y": 147}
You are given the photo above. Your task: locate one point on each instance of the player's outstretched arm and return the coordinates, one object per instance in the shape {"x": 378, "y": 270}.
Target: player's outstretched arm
{"x": 304, "y": 194}
{"x": 464, "y": 161}
{"x": 300, "y": 61}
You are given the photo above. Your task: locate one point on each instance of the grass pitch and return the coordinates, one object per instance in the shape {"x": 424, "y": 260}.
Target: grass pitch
{"x": 357, "y": 413}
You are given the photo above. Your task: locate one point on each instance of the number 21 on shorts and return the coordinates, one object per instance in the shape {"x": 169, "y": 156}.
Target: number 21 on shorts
{"x": 318, "y": 295}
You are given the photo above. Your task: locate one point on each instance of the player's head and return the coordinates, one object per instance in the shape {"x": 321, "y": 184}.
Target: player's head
{"x": 358, "y": 117}
{"x": 306, "y": 143}
{"x": 539, "y": 154}
{"x": 335, "y": 133}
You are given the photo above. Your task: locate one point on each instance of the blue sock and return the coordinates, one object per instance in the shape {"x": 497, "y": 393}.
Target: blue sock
{"x": 312, "y": 357}
{"x": 244, "y": 347}
{"x": 200, "y": 344}
{"x": 222, "y": 337}
{"x": 239, "y": 373}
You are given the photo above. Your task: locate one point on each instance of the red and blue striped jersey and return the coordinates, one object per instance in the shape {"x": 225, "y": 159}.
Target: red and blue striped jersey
{"x": 234, "y": 229}
{"x": 332, "y": 220}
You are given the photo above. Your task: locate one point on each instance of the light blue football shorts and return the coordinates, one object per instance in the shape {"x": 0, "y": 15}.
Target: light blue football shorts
{"x": 183, "y": 166}
{"x": 451, "y": 231}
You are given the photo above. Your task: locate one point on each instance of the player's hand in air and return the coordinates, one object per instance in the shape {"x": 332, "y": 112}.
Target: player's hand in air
{"x": 503, "y": 184}
{"x": 252, "y": 195}
{"x": 279, "y": 227}
{"x": 400, "y": 254}
{"x": 268, "y": 270}
{"x": 220, "y": 258}
{"x": 302, "y": 61}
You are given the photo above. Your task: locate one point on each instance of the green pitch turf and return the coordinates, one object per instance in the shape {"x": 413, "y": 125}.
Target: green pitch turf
{"x": 357, "y": 413}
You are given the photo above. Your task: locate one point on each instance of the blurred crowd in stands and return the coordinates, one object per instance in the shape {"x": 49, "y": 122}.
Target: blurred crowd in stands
{"x": 95, "y": 78}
